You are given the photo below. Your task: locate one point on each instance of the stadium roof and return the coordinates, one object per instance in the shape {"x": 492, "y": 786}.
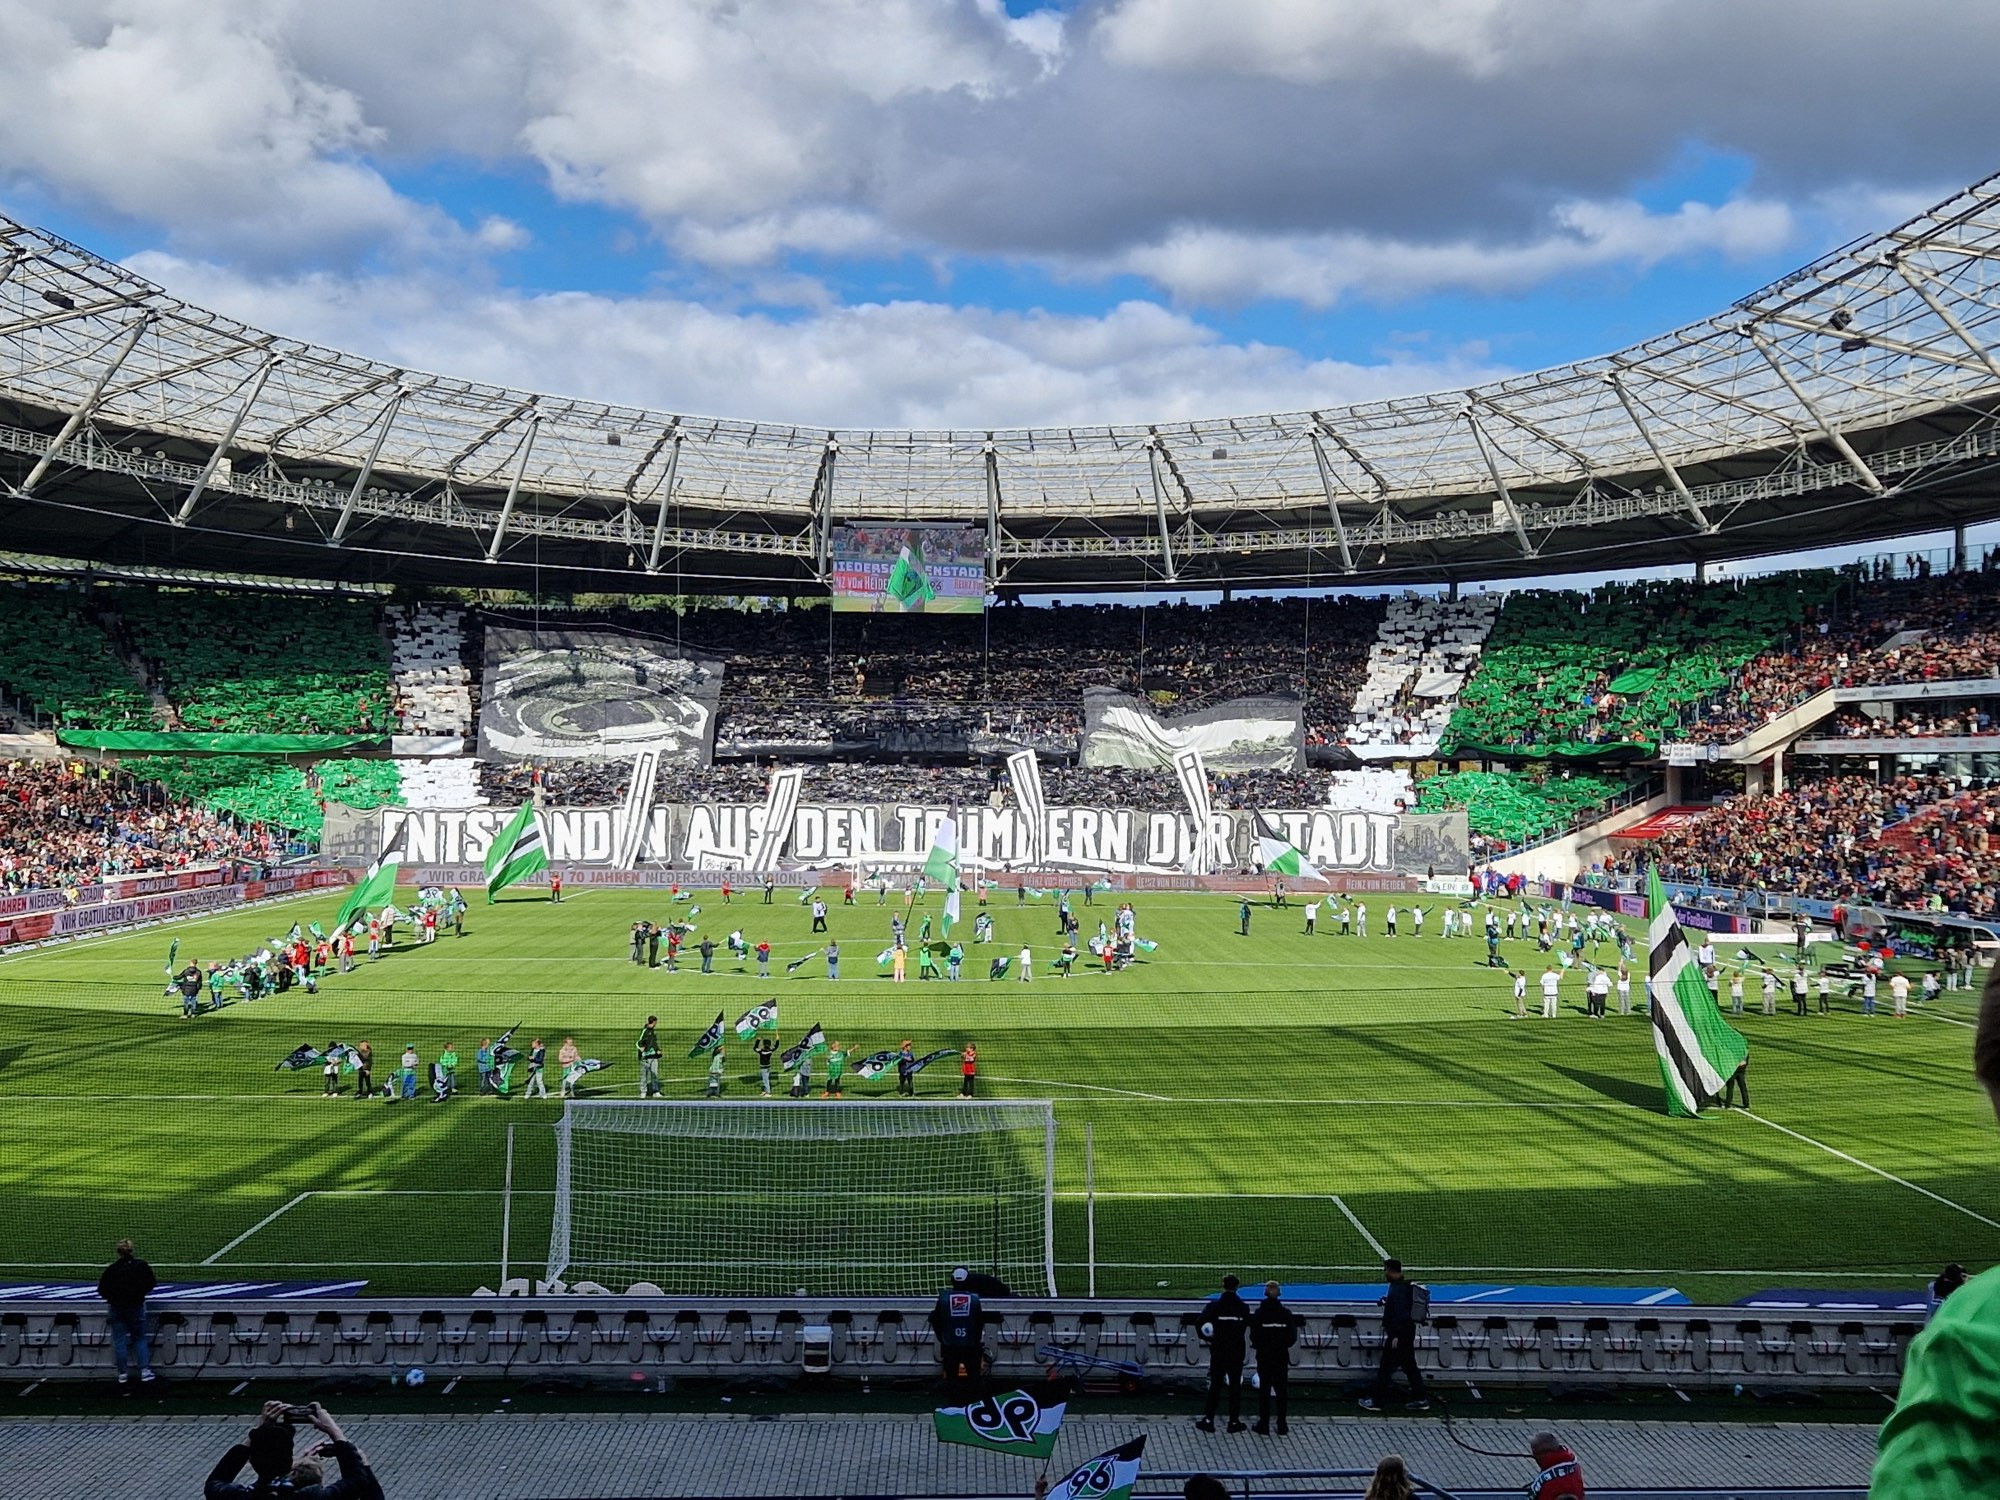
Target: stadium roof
{"x": 1854, "y": 399}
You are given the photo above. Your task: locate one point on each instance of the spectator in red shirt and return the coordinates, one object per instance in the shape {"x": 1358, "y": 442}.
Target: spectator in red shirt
{"x": 1559, "y": 1475}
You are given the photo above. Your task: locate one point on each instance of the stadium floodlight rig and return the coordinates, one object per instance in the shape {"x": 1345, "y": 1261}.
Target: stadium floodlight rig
{"x": 1858, "y": 398}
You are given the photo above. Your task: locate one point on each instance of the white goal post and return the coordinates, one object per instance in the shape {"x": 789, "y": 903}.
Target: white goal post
{"x": 771, "y": 1198}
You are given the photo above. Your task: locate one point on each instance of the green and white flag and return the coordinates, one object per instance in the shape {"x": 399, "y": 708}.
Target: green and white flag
{"x": 813, "y": 1041}
{"x": 1698, "y": 1049}
{"x": 173, "y": 952}
{"x": 1281, "y": 858}
{"x": 517, "y": 851}
{"x": 908, "y": 584}
{"x": 709, "y": 1040}
{"x": 941, "y": 865}
{"x": 1014, "y": 1422}
{"x": 379, "y": 884}
{"x": 757, "y": 1019}
{"x": 1109, "y": 1476}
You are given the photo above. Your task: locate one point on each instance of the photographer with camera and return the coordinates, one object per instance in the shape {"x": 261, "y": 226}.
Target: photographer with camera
{"x": 268, "y": 1450}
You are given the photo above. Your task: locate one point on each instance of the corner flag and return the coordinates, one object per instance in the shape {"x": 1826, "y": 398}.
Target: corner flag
{"x": 516, "y": 852}
{"x": 1698, "y": 1049}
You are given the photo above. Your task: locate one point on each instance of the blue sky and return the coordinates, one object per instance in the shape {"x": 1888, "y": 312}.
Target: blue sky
{"x": 977, "y": 213}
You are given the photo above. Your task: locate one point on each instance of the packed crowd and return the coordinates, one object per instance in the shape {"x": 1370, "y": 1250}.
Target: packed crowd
{"x": 1825, "y": 840}
{"x": 809, "y": 678}
{"x": 64, "y": 825}
{"x": 1913, "y": 721}
{"x": 1866, "y": 637}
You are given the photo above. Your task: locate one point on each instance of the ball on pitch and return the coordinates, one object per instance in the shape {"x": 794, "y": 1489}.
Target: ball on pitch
{"x": 413, "y": 1377}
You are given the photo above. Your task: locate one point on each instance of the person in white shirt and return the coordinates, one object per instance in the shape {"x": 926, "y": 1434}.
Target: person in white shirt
{"x": 1770, "y": 993}
{"x": 1868, "y": 993}
{"x": 1520, "y": 995}
{"x": 1417, "y": 921}
{"x": 1389, "y": 922}
{"x": 1705, "y": 954}
{"x": 1027, "y": 963}
{"x": 1450, "y": 921}
{"x": 1899, "y": 991}
{"x": 1599, "y": 990}
{"x": 1624, "y": 990}
{"x": 1736, "y": 993}
{"x": 1312, "y": 916}
{"x": 1551, "y": 991}
{"x": 1361, "y": 919}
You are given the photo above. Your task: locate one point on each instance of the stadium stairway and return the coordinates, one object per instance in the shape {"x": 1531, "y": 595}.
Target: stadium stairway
{"x": 1426, "y": 646}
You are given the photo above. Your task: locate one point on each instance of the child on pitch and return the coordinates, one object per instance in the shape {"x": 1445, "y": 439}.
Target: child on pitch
{"x": 836, "y": 1070}
{"x": 715, "y": 1073}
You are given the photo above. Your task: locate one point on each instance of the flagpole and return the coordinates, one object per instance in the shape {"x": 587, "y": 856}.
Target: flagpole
{"x": 1089, "y": 1199}
{"x": 507, "y": 1207}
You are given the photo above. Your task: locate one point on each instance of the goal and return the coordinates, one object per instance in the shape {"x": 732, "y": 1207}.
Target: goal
{"x": 755, "y": 1198}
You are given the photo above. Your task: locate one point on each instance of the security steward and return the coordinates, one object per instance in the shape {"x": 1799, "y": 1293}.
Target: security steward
{"x": 957, "y": 1323}
{"x": 1274, "y": 1328}
{"x": 1224, "y": 1323}
{"x": 1399, "y": 1342}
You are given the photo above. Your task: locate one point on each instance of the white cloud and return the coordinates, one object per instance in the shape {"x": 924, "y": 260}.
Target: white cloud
{"x": 1314, "y": 41}
{"x": 1209, "y": 265}
{"x": 896, "y": 364}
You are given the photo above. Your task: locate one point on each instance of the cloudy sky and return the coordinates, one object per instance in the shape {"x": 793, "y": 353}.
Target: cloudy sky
{"x": 931, "y": 212}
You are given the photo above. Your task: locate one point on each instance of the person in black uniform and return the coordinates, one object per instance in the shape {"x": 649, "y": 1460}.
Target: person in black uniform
{"x": 956, "y": 1323}
{"x": 1223, "y": 1323}
{"x": 652, "y": 944}
{"x": 638, "y": 940}
{"x": 1274, "y": 1328}
{"x": 1399, "y": 1342}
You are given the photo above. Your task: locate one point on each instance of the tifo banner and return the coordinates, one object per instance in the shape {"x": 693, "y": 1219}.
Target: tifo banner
{"x": 891, "y": 569}
{"x": 894, "y": 838}
{"x": 1244, "y": 734}
{"x": 595, "y": 695}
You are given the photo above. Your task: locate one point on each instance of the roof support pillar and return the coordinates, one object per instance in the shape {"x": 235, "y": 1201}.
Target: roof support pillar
{"x": 669, "y": 497}
{"x": 222, "y": 444}
{"x": 1500, "y": 490}
{"x": 1827, "y": 430}
{"x": 822, "y": 516}
{"x": 1332, "y": 503}
{"x": 1659, "y": 454}
{"x": 88, "y": 405}
{"x": 992, "y": 454}
{"x": 514, "y": 487}
{"x": 360, "y": 486}
{"x": 1155, "y": 462}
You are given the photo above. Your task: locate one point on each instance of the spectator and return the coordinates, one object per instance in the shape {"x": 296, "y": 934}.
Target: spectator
{"x": 1399, "y": 1342}
{"x": 1391, "y": 1480}
{"x": 1939, "y": 1439}
{"x": 267, "y": 1449}
{"x": 125, "y": 1285}
{"x": 1558, "y": 1475}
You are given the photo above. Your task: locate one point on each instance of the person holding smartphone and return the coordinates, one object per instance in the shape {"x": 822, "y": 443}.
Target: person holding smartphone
{"x": 267, "y": 1448}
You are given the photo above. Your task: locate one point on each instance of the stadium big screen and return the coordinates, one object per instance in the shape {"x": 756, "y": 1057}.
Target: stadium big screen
{"x": 894, "y": 569}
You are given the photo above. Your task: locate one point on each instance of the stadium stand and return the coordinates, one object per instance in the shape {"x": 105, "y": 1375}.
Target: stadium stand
{"x": 1587, "y": 674}
{"x": 1867, "y": 639}
{"x": 1423, "y": 652}
{"x": 1943, "y": 721}
{"x": 268, "y": 791}
{"x": 1910, "y": 842}
{"x": 64, "y": 825}
{"x": 451, "y": 781}
{"x": 253, "y": 663}
{"x": 1506, "y": 809}
{"x": 431, "y": 682}
{"x": 57, "y": 664}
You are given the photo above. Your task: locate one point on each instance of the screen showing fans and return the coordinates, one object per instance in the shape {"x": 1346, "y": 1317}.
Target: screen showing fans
{"x": 885, "y": 569}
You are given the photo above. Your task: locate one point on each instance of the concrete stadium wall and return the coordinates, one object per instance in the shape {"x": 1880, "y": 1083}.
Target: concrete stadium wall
{"x": 610, "y": 1337}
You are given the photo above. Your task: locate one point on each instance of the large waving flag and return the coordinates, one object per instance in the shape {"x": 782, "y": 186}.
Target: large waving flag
{"x": 760, "y": 1017}
{"x": 1016, "y": 1422}
{"x": 875, "y": 1064}
{"x": 709, "y": 1040}
{"x": 1698, "y": 1049}
{"x": 1281, "y": 858}
{"x": 941, "y": 865}
{"x": 518, "y": 851}
{"x": 909, "y": 585}
{"x": 379, "y": 884}
{"x": 1109, "y": 1476}
{"x": 814, "y": 1041}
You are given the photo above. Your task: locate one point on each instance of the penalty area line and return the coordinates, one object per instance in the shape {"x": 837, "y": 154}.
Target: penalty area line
{"x": 1869, "y": 1167}
{"x": 1360, "y": 1228}
{"x": 261, "y": 1223}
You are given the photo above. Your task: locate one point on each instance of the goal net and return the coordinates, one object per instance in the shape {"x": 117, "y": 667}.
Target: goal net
{"x": 759, "y": 1199}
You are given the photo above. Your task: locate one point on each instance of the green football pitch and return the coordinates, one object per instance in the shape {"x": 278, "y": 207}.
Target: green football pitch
{"x": 1275, "y": 1104}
